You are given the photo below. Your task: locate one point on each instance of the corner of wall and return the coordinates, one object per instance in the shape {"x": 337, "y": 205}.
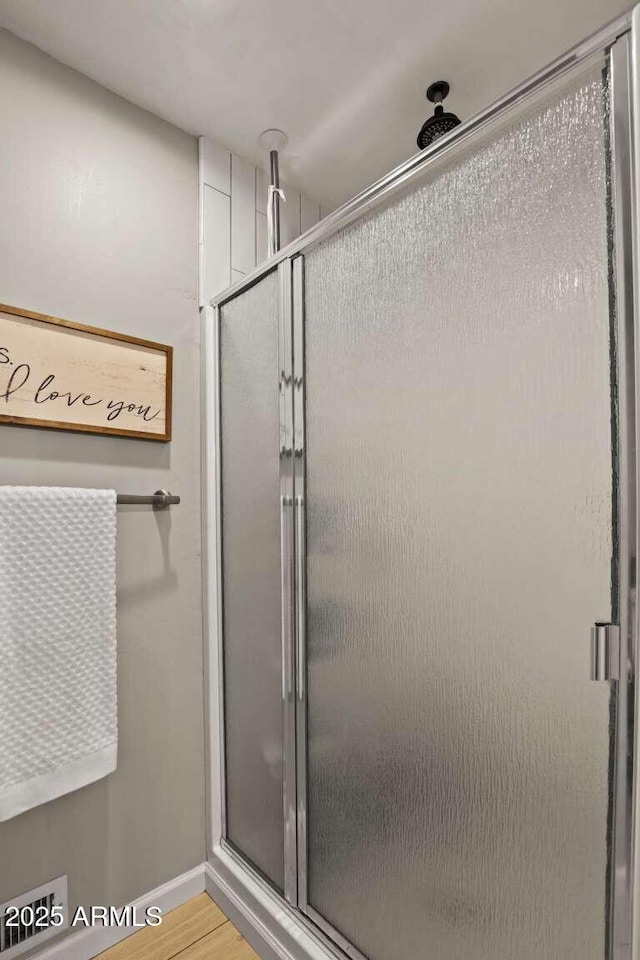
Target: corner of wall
{"x": 233, "y": 217}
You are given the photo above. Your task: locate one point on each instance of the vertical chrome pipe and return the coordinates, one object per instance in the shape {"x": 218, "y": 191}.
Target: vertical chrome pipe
{"x": 274, "y": 201}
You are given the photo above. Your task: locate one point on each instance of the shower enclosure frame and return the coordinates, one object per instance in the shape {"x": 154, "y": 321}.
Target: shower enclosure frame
{"x": 287, "y": 924}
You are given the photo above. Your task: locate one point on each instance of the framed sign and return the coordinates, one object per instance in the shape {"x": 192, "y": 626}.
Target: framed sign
{"x": 66, "y": 376}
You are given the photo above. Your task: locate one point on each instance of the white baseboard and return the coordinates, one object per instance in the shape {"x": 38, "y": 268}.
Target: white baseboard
{"x": 275, "y": 930}
{"x": 86, "y": 942}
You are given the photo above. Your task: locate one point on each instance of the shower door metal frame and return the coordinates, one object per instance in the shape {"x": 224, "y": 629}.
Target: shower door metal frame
{"x": 620, "y": 40}
{"x": 624, "y": 612}
{"x": 214, "y": 663}
{"x": 287, "y": 519}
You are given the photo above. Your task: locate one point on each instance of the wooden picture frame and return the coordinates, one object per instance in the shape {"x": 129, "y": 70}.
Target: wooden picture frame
{"x": 62, "y": 375}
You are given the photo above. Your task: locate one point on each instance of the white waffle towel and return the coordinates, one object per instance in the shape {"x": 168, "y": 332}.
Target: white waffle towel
{"x": 58, "y": 707}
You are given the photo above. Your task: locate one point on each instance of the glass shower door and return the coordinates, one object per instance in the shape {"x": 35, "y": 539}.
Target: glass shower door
{"x": 251, "y": 584}
{"x": 459, "y": 534}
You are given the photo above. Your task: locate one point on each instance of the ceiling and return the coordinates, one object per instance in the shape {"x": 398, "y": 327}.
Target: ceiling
{"x": 345, "y": 79}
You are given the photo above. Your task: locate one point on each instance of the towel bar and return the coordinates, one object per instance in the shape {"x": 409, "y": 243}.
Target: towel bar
{"x": 159, "y": 500}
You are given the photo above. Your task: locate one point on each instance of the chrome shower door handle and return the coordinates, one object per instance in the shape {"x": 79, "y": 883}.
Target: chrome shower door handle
{"x": 606, "y": 654}
{"x": 287, "y": 578}
{"x": 301, "y": 597}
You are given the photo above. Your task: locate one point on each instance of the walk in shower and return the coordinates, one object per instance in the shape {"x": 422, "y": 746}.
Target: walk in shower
{"x": 424, "y": 495}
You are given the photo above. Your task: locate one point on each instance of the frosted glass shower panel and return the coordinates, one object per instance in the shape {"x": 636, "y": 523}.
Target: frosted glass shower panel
{"x": 459, "y": 504}
{"x": 251, "y": 575}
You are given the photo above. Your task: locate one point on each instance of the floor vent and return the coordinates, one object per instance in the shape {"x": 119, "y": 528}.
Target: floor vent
{"x": 30, "y": 919}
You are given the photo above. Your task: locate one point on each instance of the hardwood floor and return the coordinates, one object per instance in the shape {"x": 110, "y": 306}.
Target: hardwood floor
{"x": 198, "y": 930}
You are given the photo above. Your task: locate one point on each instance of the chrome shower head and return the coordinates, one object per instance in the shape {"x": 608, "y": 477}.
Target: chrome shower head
{"x": 441, "y": 122}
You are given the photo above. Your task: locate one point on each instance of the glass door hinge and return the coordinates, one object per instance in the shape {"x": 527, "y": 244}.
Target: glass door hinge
{"x": 605, "y": 651}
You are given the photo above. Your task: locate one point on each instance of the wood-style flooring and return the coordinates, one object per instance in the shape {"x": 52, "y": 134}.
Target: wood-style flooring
{"x": 198, "y": 930}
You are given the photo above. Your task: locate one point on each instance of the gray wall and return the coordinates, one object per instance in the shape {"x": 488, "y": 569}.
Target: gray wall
{"x": 98, "y": 224}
